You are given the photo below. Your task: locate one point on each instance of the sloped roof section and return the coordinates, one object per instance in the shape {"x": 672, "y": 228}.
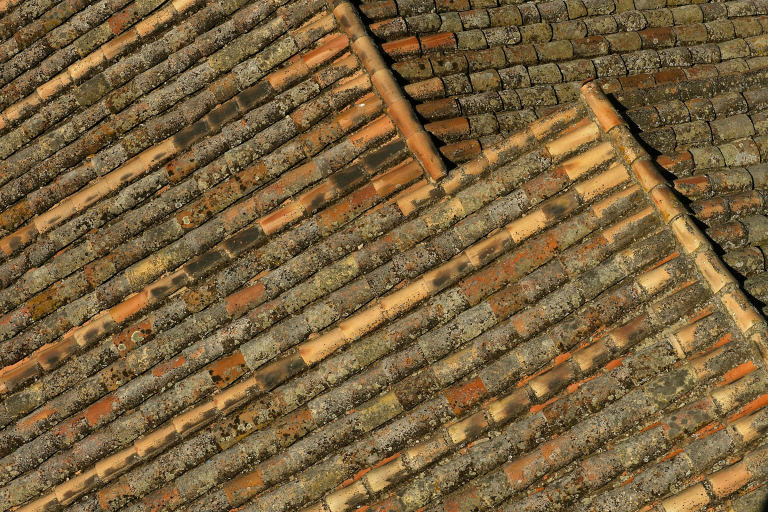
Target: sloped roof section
{"x": 710, "y": 134}
{"x": 477, "y": 70}
{"x": 243, "y": 268}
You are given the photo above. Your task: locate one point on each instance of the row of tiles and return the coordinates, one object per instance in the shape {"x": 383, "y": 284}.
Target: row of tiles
{"x": 405, "y": 293}
{"x": 556, "y": 13}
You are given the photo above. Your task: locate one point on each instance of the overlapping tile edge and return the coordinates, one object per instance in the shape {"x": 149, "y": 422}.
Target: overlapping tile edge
{"x": 66, "y": 492}
{"x": 188, "y": 421}
{"x": 349, "y": 329}
{"x": 270, "y": 87}
{"x": 724, "y": 286}
{"x": 382, "y": 79}
{"x": 400, "y": 109}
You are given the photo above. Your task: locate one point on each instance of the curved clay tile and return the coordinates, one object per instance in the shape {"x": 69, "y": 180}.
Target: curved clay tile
{"x": 395, "y": 255}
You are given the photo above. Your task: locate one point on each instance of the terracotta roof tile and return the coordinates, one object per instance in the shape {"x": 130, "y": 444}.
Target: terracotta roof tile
{"x": 300, "y": 255}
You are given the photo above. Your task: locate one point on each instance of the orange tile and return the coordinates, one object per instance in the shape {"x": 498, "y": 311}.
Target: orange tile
{"x": 741, "y": 310}
{"x": 55, "y": 216}
{"x": 653, "y": 281}
{"x": 669, "y": 162}
{"x": 235, "y": 395}
{"x": 573, "y": 140}
{"x": 362, "y": 323}
{"x": 689, "y": 236}
{"x": 329, "y": 49}
{"x": 447, "y": 273}
{"x": 248, "y": 298}
{"x": 386, "y": 473}
{"x": 729, "y": 480}
{"x": 285, "y": 77}
{"x": 481, "y": 252}
{"x": 82, "y": 67}
{"x": 90, "y": 194}
{"x": 159, "y": 19}
{"x": 19, "y": 238}
{"x": 714, "y": 271}
{"x": 54, "y": 85}
{"x": 101, "y": 409}
{"x": 402, "y": 47}
{"x": 404, "y": 118}
{"x": 183, "y": 5}
{"x": 91, "y": 332}
{"x": 647, "y": 174}
{"x": 602, "y": 183}
{"x": 16, "y": 111}
{"x": 365, "y": 48}
{"x": 116, "y": 46}
{"x": 227, "y": 370}
{"x": 157, "y": 440}
{"x": 581, "y": 164}
{"x": 306, "y": 34}
{"x": 195, "y": 418}
{"x": 354, "y": 115}
{"x": 21, "y": 372}
{"x": 404, "y": 299}
{"x": 693, "y": 185}
{"x": 546, "y": 126}
{"x": 604, "y": 112}
{"x": 442, "y": 42}
{"x": 461, "y": 151}
{"x": 69, "y": 491}
{"x": 738, "y": 372}
{"x": 45, "y": 504}
{"x": 126, "y": 172}
{"x": 374, "y": 130}
{"x": 283, "y": 216}
{"x": 692, "y": 498}
{"x": 349, "y": 20}
{"x": 701, "y": 366}
{"x": 423, "y": 148}
{"x": 169, "y": 365}
{"x": 427, "y": 89}
{"x": 153, "y": 156}
{"x": 666, "y": 202}
{"x": 239, "y": 488}
{"x": 51, "y": 354}
{"x": 317, "y": 349}
{"x": 129, "y": 307}
{"x": 456, "y": 128}
{"x": 468, "y": 428}
{"x": 341, "y": 212}
{"x": 526, "y": 226}
{"x": 397, "y": 178}
{"x": 463, "y": 396}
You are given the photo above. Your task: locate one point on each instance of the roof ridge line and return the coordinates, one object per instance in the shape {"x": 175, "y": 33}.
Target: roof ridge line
{"x": 751, "y": 323}
{"x": 398, "y": 107}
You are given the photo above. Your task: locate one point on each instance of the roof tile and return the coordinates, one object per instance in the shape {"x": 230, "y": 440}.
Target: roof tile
{"x": 278, "y": 318}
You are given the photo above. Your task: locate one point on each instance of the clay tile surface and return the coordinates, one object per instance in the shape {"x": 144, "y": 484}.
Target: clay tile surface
{"x": 397, "y": 255}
